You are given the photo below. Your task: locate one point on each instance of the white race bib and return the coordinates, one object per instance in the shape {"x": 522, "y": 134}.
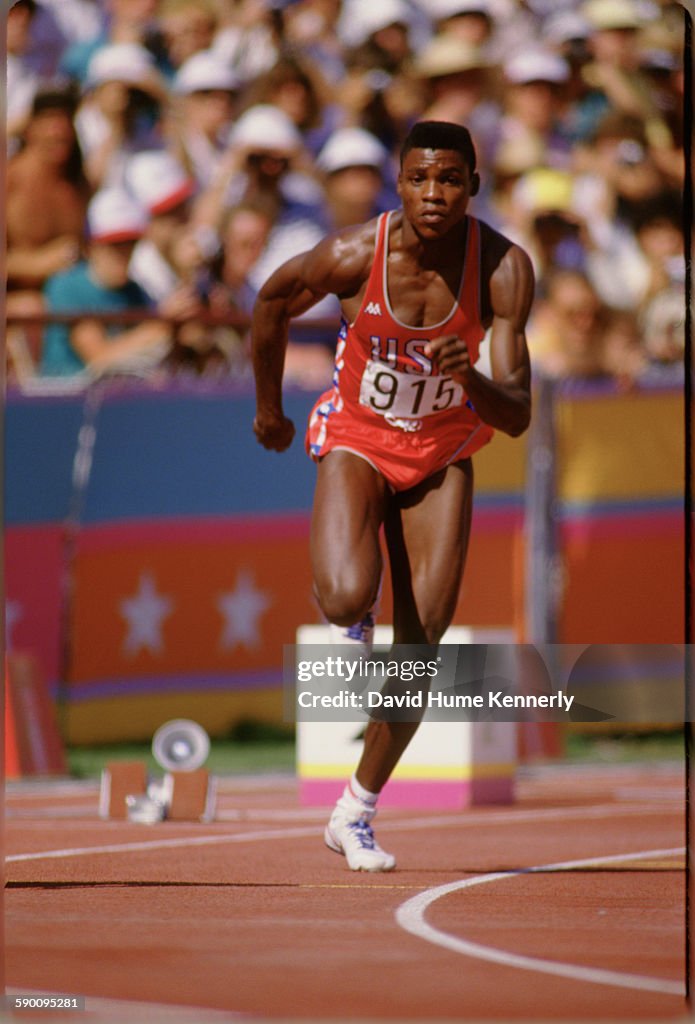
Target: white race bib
{"x": 406, "y": 396}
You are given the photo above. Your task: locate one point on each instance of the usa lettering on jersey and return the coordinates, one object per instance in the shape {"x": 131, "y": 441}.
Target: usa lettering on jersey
{"x": 411, "y": 359}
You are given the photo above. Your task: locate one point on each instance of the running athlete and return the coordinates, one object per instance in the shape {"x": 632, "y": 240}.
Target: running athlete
{"x": 393, "y": 437}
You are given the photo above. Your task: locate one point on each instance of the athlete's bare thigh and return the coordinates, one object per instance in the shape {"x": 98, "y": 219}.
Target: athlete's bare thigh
{"x": 349, "y": 507}
{"x": 427, "y": 530}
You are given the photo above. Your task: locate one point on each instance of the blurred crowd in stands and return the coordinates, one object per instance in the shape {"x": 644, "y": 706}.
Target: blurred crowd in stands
{"x": 166, "y": 155}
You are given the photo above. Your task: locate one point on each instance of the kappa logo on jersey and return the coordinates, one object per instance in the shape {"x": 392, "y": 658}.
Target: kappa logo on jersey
{"x": 374, "y": 308}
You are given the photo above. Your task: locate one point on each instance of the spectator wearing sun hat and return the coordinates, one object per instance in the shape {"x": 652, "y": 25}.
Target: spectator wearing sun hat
{"x": 101, "y": 284}
{"x": 457, "y": 77}
{"x": 120, "y": 110}
{"x": 613, "y": 76}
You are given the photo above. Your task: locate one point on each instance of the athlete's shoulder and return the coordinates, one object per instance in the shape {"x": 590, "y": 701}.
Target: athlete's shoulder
{"x": 356, "y": 240}
{"x": 344, "y": 257}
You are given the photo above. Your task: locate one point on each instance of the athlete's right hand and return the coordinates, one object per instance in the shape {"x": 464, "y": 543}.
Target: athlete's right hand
{"x": 274, "y": 432}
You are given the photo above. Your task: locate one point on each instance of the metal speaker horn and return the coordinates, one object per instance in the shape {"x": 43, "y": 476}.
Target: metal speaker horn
{"x": 180, "y": 745}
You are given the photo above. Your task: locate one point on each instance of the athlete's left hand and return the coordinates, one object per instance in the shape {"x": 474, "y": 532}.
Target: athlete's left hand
{"x": 451, "y": 356}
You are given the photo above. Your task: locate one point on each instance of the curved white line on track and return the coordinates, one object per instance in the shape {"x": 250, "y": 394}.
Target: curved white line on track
{"x": 411, "y": 917}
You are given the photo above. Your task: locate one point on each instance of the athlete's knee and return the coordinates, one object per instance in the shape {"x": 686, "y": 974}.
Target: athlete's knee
{"x": 345, "y": 599}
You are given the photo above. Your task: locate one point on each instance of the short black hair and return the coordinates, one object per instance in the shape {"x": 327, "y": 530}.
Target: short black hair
{"x": 440, "y": 135}
{"x": 64, "y": 99}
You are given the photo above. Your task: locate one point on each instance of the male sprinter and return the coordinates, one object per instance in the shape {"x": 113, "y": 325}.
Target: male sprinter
{"x": 394, "y": 436}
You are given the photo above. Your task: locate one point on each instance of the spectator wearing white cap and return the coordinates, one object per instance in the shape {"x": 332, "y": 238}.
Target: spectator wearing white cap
{"x": 376, "y": 92}
{"x": 173, "y": 261}
{"x": 119, "y": 114}
{"x": 471, "y": 21}
{"x": 533, "y": 100}
{"x": 161, "y": 185}
{"x": 261, "y": 164}
{"x": 383, "y": 25}
{"x": 264, "y": 160}
{"x": 123, "y": 21}
{"x": 204, "y": 96}
{"x": 300, "y": 91}
{"x": 354, "y": 163}
{"x": 98, "y": 285}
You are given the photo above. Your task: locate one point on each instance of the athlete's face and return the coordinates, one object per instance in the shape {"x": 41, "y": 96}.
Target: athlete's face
{"x": 435, "y": 186}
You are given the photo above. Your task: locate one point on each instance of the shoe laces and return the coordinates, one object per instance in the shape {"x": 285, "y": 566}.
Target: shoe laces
{"x": 362, "y": 631}
{"x": 364, "y": 833}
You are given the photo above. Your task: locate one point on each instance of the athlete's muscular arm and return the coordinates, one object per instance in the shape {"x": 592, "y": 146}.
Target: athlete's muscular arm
{"x": 504, "y": 402}
{"x": 339, "y": 265}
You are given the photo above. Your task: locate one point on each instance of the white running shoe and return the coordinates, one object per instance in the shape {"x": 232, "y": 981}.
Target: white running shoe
{"x": 354, "y": 838}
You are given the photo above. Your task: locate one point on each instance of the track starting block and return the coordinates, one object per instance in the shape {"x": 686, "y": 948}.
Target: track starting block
{"x": 192, "y": 795}
{"x": 120, "y": 779}
{"x": 179, "y": 796}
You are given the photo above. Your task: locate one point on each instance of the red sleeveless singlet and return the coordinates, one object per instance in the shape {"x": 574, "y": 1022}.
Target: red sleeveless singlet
{"x": 387, "y": 404}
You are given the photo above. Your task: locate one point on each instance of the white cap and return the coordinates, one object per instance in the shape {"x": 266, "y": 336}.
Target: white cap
{"x": 124, "y": 62}
{"x": 360, "y": 19}
{"x": 267, "y": 128}
{"x": 536, "y": 66}
{"x": 447, "y": 55}
{"x": 158, "y": 181}
{"x": 115, "y": 216}
{"x": 204, "y": 70}
{"x": 351, "y": 147}
{"x": 565, "y": 25}
{"x": 440, "y": 9}
{"x": 608, "y": 14}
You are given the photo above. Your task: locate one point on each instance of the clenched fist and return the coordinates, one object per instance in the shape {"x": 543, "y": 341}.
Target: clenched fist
{"x": 274, "y": 432}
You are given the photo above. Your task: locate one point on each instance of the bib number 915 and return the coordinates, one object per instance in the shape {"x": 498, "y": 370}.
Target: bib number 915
{"x": 386, "y": 391}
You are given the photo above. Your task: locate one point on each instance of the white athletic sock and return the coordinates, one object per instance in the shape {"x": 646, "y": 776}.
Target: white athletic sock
{"x": 356, "y": 789}
{"x": 357, "y": 801}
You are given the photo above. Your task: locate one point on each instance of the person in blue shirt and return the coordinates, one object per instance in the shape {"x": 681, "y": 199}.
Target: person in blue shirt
{"x": 101, "y": 284}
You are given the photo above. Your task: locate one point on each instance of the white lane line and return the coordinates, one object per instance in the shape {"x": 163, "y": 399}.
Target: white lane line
{"x": 163, "y": 844}
{"x": 461, "y": 820}
{"x": 411, "y": 917}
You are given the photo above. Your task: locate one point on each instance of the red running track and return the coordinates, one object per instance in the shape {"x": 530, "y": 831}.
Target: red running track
{"x": 568, "y": 905}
